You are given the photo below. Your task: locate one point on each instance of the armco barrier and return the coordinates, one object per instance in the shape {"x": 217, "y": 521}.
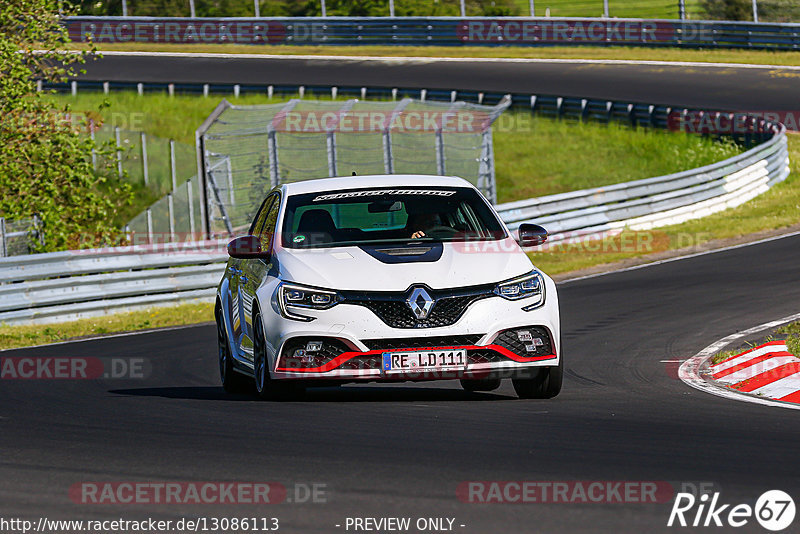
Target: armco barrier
{"x": 66, "y": 285}
{"x": 440, "y": 31}
{"x": 62, "y": 286}
{"x": 652, "y": 202}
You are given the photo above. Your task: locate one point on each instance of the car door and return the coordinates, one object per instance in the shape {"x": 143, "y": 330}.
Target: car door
{"x": 253, "y": 271}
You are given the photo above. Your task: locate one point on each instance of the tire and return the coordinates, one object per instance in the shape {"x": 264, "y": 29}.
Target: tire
{"x": 232, "y": 381}
{"x": 266, "y": 388}
{"x": 474, "y": 384}
{"x": 545, "y": 385}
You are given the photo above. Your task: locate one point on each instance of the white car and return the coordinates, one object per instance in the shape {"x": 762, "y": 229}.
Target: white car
{"x": 385, "y": 278}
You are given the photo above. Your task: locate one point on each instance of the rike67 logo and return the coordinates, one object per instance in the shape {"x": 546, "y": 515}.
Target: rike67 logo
{"x": 774, "y": 510}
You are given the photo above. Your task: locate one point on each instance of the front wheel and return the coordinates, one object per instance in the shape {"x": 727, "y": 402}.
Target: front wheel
{"x": 232, "y": 381}
{"x": 545, "y": 385}
{"x": 266, "y": 388}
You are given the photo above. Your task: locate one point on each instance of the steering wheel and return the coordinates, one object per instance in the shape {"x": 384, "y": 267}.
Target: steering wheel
{"x": 441, "y": 231}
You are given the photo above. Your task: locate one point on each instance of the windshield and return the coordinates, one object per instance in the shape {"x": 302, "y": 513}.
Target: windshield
{"x": 387, "y": 215}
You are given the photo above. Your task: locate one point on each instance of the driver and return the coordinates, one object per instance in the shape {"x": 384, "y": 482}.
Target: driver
{"x": 419, "y": 223}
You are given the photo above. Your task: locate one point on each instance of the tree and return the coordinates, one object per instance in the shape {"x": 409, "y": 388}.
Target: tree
{"x": 45, "y": 154}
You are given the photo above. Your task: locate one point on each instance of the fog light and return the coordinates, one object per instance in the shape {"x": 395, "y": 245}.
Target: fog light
{"x": 524, "y": 335}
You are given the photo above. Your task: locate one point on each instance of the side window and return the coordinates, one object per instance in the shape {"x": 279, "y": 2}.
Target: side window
{"x": 258, "y": 224}
{"x": 266, "y": 232}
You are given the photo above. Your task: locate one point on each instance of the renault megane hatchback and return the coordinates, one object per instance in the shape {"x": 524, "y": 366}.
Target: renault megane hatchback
{"x": 385, "y": 279}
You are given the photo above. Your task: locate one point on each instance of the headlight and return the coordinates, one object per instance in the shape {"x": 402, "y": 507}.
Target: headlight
{"x": 292, "y": 296}
{"x": 530, "y": 286}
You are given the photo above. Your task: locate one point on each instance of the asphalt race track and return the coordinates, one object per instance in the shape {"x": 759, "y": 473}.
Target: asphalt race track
{"x": 404, "y": 449}
{"x": 725, "y": 88}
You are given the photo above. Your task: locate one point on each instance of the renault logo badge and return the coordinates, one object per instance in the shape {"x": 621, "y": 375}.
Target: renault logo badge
{"x": 420, "y": 302}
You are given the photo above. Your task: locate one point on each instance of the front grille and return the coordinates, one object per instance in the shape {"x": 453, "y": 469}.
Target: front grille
{"x": 509, "y": 339}
{"x": 422, "y": 342}
{"x": 393, "y": 309}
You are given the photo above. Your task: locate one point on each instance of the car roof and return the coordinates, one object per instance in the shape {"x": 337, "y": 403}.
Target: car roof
{"x": 374, "y": 180}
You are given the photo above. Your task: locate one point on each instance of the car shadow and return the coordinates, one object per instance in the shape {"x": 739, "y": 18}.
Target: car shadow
{"x": 324, "y": 394}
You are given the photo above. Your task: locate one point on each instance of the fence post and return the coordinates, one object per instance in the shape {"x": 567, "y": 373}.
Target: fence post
{"x": 272, "y": 149}
{"x": 73, "y": 87}
{"x": 755, "y": 10}
{"x": 171, "y": 209}
{"x": 149, "y": 217}
{"x": 39, "y": 225}
{"x": 533, "y": 13}
{"x": 94, "y": 152}
{"x": 119, "y": 152}
{"x": 256, "y": 9}
{"x": 191, "y": 9}
{"x": 391, "y": 8}
{"x": 124, "y": 8}
{"x": 322, "y": 8}
{"x": 145, "y": 169}
{"x": 3, "y": 236}
{"x": 190, "y": 196}
{"x": 440, "y": 163}
{"x": 172, "y": 169}
{"x": 388, "y": 161}
{"x": 605, "y": 8}
{"x": 463, "y": 9}
{"x": 682, "y": 9}
{"x": 331, "y": 145}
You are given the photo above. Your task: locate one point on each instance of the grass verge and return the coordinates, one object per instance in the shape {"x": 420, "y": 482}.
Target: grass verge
{"x": 777, "y": 208}
{"x": 765, "y": 57}
{"x": 791, "y": 331}
{"x": 534, "y": 156}
{"x": 12, "y": 337}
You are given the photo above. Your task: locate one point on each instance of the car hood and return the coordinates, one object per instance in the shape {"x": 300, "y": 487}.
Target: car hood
{"x": 351, "y": 268}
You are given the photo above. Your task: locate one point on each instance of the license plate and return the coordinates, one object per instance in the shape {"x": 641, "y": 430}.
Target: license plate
{"x": 424, "y": 360}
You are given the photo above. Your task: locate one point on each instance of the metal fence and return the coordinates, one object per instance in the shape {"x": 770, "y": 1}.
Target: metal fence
{"x": 154, "y": 162}
{"x": 659, "y": 201}
{"x": 61, "y": 286}
{"x": 437, "y": 31}
{"x": 69, "y": 285}
{"x": 20, "y": 236}
{"x": 244, "y": 151}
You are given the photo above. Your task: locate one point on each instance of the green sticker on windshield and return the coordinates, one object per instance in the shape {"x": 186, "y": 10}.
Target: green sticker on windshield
{"x": 299, "y": 238}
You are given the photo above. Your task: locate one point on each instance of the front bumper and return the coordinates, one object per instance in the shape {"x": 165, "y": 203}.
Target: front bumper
{"x": 511, "y": 353}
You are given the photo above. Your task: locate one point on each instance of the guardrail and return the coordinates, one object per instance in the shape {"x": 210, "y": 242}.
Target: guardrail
{"x": 61, "y": 286}
{"x": 436, "y": 31}
{"x": 658, "y": 201}
{"x": 66, "y": 285}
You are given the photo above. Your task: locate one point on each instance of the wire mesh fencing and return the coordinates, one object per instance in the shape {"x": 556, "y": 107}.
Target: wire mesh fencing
{"x": 146, "y": 160}
{"x": 20, "y": 236}
{"x": 248, "y": 150}
{"x": 174, "y": 217}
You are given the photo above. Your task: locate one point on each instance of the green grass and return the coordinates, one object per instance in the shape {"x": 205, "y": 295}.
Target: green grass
{"x": 12, "y": 337}
{"x": 777, "y": 208}
{"x": 765, "y": 57}
{"x": 560, "y": 156}
{"x": 792, "y": 331}
{"x": 535, "y": 156}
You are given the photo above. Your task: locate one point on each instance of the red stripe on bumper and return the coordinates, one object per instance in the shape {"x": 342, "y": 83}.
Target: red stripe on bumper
{"x": 344, "y": 357}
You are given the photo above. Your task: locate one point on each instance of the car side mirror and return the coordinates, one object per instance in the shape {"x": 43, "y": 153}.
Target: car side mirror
{"x": 531, "y": 235}
{"x": 247, "y": 247}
